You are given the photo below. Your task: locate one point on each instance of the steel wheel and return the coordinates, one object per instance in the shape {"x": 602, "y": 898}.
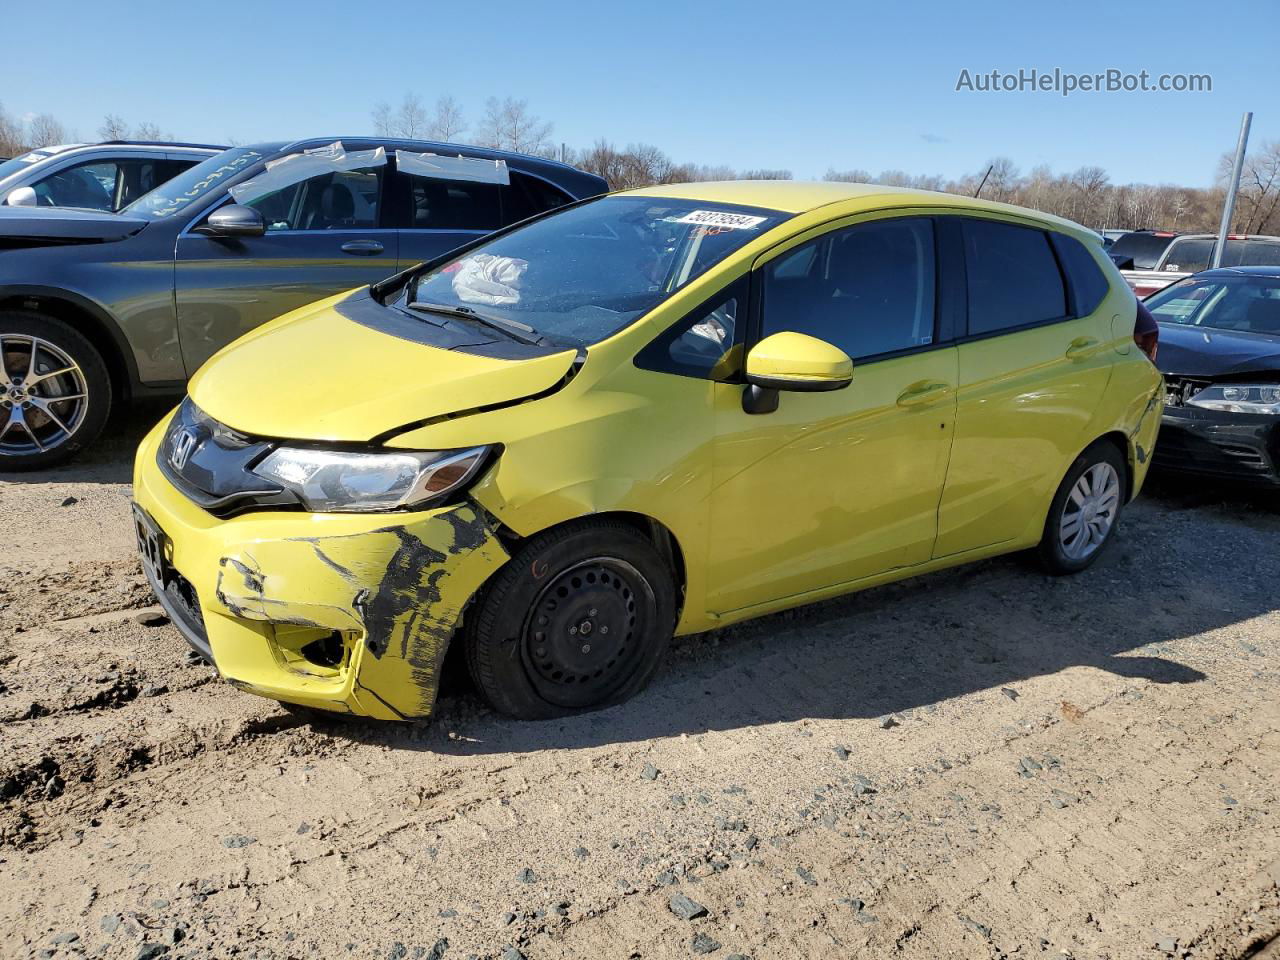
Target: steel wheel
{"x": 580, "y": 639}
{"x": 1090, "y": 511}
{"x": 44, "y": 397}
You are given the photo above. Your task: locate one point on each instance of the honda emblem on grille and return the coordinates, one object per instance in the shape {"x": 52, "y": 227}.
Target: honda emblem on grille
{"x": 183, "y": 444}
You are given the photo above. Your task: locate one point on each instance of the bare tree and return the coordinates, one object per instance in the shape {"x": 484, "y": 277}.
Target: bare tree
{"x": 448, "y": 123}
{"x": 411, "y": 118}
{"x": 765, "y": 174}
{"x": 508, "y": 125}
{"x": 12, "y": 139}
{"x": 45, "y": 131}
{"x": 151, "y": 131}
{"x": 847, "y": 176}
{"x": 113, "y": 128}
{"x": 381, "y": 116}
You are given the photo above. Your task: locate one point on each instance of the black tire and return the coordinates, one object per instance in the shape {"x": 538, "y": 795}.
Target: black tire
{"x": 1055, "y": 556}
{"x": 580, "y": 618}
{"x": 17, "y": 328}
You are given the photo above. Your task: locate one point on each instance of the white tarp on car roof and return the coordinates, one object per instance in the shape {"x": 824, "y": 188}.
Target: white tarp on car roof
{"x": 297, "y": 167}
{"x": 452, "y": 168}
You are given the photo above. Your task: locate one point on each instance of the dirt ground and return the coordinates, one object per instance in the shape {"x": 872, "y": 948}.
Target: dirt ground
{"x": 981, "y": 763}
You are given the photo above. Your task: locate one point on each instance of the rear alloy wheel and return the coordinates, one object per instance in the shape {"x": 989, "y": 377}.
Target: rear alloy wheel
{"x": 580, "y": 618}
{"x": 1085, "y": 510}
{"x": 54, "y": 391}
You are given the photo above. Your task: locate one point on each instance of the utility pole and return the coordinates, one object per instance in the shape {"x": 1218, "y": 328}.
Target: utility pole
{"x": 1229, "y": 206}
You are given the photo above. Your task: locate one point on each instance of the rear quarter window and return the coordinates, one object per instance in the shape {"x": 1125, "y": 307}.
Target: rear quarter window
{"x": 527, "y": 196}
{"x": 1085, "y": 279}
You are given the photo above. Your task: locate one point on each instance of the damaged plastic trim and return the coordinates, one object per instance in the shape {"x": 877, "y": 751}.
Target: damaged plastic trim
{"x": 297, "y": 167}
{"x": 471, "y": 169}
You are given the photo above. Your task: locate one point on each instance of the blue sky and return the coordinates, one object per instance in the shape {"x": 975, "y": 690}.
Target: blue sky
{"x": 805, "y": 86}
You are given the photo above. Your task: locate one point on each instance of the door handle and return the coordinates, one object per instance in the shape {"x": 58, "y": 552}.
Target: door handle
{"x": 925, "y": 392}
{"x": 362, "y": 248}
{"x": 1082, "y": 348}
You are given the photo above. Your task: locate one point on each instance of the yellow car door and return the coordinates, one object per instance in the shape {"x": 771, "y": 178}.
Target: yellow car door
{"x": 835, "y": 486}
{"x": 1032, "y": 377}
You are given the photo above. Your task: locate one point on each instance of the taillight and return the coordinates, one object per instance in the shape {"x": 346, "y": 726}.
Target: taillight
{"x": 1148, "y": 342}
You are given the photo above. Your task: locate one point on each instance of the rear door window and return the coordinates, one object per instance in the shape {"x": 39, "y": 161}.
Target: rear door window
{"x": 1012, "y": 275}
{"x": 436, "y": 204}
{"x": 1251, "y": 253}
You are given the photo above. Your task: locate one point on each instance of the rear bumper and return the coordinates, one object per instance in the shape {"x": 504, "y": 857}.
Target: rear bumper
{"x": 344, "y": 612}
{"x": 1213, "y": 444}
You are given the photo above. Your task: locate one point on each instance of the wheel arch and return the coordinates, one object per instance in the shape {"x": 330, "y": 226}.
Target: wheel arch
{"x": 88, "y": 318}
{"x": 1125, "y": 448}
{"x": 655, "y": 531}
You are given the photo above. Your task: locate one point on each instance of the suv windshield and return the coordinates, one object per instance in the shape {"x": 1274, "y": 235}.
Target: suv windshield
{"x": 1249, "y": 304}
{"x": 189, "y": 186}
{"x": 578, "y": 276}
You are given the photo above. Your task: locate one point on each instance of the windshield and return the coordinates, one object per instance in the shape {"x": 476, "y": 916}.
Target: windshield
{"x": 1145, "y": 248}
{"x": 193, "y": 184}
{"x": 578, "y": 276}
{"x": 1249, "y": 304}
{"x": 24, "y": 161}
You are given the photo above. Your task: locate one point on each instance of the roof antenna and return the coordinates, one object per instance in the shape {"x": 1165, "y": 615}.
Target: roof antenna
{"x": 984, "y": 181}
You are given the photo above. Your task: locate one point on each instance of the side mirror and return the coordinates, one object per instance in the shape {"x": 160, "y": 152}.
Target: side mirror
{"x": 22, "y": 197}
{"x": 233, "y": 220}
{"x": 795, "y": 362}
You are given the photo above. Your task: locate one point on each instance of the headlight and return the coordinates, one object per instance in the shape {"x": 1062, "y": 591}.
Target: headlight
{"x": 1238, "y": 398}
{"x": 335, "y": 481}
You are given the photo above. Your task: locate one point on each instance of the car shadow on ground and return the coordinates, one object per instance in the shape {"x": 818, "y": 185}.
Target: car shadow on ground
{"x": 910, "y": 647}
{"x": 110, "y": 459}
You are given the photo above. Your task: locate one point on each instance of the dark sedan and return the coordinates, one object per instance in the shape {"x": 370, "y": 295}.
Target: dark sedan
{"x": 96, "y": 308}
{"x": 1220, "y": 355}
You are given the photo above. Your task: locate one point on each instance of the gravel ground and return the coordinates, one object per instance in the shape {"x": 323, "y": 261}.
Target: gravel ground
{"x": 980, "y": 763}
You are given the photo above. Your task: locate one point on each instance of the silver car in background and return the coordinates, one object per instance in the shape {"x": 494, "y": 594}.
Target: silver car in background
{"x": 95, "y": 176}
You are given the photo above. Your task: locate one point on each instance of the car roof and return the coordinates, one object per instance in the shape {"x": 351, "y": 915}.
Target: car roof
{"x": 550, "y": 169}
{"x": 801, "y": 196}
{"x": 159, "y": 143}
{"x": 1231, "y": 236}
{"x": 1218, "y": 272}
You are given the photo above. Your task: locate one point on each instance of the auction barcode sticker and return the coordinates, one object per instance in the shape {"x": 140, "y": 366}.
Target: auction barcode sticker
{"x": 718, "y": 218}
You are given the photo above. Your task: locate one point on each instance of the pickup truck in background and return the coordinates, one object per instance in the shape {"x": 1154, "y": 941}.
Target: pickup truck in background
{"x": 1188, "y": 253}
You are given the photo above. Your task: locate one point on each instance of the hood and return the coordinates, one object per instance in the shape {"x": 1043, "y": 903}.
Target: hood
{"x": 317, "y": 375}
{"x": 35, "y": 226}
{"x": 1205, "y": 352}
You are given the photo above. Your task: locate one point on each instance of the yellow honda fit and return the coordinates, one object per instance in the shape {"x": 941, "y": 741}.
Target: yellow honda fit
{"x": 656, "y": 412}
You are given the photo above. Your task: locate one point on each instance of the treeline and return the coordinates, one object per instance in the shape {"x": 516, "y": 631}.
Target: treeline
{"x": 18, "y": 135}
{"x": 1086, "y": 195}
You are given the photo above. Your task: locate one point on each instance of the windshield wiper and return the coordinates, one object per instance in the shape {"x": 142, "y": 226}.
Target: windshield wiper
{"x": 512, "y": 328}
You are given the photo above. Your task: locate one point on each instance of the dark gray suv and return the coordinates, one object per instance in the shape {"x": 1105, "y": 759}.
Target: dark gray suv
{"x": 97, "y": 308}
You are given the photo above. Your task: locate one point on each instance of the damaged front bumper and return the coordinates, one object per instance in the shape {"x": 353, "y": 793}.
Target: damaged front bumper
{"x": 1212, "y": 443}
{"x": 344, "y": 612}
